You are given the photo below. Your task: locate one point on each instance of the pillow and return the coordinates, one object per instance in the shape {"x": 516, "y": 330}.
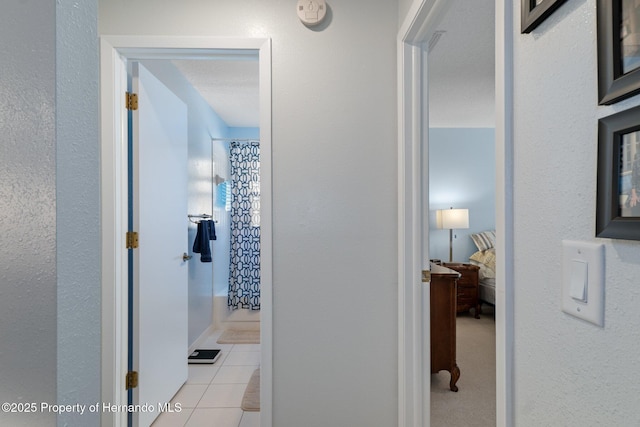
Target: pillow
{"x": 485, "y": 240}
{"x": 484, "y": 272}
{"x": 487, "y": 258}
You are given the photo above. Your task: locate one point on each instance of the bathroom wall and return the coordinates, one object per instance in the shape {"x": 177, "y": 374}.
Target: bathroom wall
{"x": 220, "y": 246}
{"x": 461, "y": 175}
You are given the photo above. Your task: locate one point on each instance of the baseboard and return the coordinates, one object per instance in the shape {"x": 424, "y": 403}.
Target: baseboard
{"x": 201, "y": 339}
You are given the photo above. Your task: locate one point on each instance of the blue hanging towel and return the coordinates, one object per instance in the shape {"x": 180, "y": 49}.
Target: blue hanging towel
{"x": 206, "y": 232}
{"x": 212, "y": 229}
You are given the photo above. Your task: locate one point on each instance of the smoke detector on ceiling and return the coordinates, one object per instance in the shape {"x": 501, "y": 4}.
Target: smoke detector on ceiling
{"x": 311, "y": 12}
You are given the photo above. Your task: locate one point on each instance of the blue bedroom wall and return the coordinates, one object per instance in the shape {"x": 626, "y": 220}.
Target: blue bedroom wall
{"x": 461, "y": 175}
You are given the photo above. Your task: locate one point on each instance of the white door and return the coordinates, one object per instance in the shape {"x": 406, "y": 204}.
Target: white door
{"x": 159, "y": 171}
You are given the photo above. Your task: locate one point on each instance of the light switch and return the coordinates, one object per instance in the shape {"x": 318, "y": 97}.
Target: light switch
{"x": 583, "y": 280}
{"x": 579, "y": 280}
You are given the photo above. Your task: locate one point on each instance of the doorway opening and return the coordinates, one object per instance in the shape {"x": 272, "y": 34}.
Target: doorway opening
{"x": 462, "y": 191}
{"x": 414, "y": 323}
{"x": 116, "y": 52}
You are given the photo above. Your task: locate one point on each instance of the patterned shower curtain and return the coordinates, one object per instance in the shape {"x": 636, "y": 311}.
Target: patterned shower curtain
{"x": 244, "y": 268}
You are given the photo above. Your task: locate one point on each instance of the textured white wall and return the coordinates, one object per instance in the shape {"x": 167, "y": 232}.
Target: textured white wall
{"x": 27, "y": 209}
{"x": 334, "y": 196}
{"x": 49, "y": 213}
{"x": 78, "y": 208}
{"x": 567, "y": 372}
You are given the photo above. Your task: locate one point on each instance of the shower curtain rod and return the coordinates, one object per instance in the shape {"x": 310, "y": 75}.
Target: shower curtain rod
{"x": 235, "y": 139}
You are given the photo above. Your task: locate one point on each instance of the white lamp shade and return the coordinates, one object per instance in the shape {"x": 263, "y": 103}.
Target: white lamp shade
{"x": 454, "y": 218}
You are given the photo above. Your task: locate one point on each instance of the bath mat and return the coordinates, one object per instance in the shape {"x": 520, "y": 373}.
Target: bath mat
{"x": 237, "y": 336}
{"x": 251, "y": 398}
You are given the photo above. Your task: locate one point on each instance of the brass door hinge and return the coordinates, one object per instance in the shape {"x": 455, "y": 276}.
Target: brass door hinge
{"x": 132, "y": 240}
{"x": 131, "y": 380}
{"x": 131, "y": 101}
{"x": 426, "y": 276}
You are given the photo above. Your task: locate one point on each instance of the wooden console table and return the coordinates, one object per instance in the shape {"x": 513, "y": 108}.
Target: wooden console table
{"x": 443, "y": 322}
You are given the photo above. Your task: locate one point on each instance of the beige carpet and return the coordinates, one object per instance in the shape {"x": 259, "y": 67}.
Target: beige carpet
{"x": 251, "y": 398}
{"x": 236, "y": 336}
{"x": 475, "y": 402}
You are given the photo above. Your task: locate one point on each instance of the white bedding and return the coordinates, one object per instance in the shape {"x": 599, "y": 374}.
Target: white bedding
{"x": 488, "y": 290}
{"x": 485, "y": 258}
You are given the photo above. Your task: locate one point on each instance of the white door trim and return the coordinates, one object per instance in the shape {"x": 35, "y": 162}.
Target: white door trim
{"x": 114, "y": 51}
{"x": 504, "y": 214}
{"x": 413, "y": 360}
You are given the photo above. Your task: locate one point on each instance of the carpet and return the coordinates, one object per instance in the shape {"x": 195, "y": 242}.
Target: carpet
{"x": 251, "y": 398}
{"x": 237, "y": 336}
{"x": 475, "y": 402}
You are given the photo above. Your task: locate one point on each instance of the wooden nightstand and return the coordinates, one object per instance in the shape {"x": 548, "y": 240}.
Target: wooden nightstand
{"x": 468, "y": 290}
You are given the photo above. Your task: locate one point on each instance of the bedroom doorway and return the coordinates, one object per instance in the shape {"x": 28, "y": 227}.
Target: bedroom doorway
{"x": 115, "y": 52}
{"x": 462, "y": 164}
{"x": 415, "y": 34}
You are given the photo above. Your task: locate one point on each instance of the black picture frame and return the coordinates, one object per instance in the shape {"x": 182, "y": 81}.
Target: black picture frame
{"x": 611, "y": 181}
{"x": 614, "y": 84}
{"x": 533, "y": 14}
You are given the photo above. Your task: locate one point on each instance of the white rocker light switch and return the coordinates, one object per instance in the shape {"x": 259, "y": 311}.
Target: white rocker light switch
{"x": 583, "y": 280}
{"x": 579, "y": 280}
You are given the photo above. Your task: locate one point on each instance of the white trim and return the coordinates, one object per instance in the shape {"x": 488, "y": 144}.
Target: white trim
{"x": 113, "y": 213}
{"x": 266, "y": 236}
{"x": 413, "y": 396}
{"x": 114, "y": 50}
{"x": 504, "y": 215}
{"x": 411, "y": 359}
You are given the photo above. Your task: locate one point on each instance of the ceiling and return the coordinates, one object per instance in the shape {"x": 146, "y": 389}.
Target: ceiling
{"x": 230, "y": 87}
{"x": 461, "y": 67}
{"x": 461, "y": 74}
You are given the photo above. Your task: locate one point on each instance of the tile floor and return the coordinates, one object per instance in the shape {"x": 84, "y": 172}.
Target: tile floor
{"x": 213, "y": 393}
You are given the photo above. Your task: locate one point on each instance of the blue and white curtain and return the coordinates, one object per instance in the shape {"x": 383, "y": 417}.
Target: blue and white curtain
{"x": 244, "y": 268}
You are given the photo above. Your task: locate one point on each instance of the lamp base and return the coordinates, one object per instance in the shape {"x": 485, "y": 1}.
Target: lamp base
{"x": 450, "y": 245}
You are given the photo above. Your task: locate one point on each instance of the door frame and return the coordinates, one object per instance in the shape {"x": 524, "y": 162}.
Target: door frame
{"x": 114, "y": 52}
{"x": 413, "y": 319}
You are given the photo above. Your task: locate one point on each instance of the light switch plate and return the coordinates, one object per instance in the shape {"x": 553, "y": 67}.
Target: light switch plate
{"x": 592, "y": 254}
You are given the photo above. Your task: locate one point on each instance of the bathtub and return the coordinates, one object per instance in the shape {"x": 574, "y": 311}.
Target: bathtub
{"x": 224, "y": 318}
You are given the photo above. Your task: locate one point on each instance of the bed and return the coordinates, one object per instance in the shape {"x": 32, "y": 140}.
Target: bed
{"x": 485, "y": 258}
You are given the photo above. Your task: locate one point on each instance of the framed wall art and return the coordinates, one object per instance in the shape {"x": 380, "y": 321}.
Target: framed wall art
{"x": 533, "y": 12}
{"x": 618, "y": 50}
{"x": 618, "y": 188}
